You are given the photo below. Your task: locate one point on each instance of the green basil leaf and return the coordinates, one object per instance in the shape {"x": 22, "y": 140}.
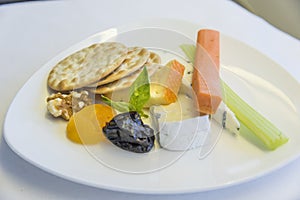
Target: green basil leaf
{"x": 139, "y": 95}
{"x": 140, "y": 91}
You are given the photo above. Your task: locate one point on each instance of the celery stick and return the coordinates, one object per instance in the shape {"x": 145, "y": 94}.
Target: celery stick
{"x": 271, "y": 136}
{"x": 189, "y": 51}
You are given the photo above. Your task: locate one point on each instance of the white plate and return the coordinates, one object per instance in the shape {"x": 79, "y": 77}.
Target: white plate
{"x": 40, "y": 140}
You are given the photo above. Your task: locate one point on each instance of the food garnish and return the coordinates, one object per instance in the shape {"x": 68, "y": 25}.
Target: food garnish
{"x": 85, "y": 126}
{"x": 139, "y": 95}
{"x": 140, "y": 91}
{"x": 127, "y": 131}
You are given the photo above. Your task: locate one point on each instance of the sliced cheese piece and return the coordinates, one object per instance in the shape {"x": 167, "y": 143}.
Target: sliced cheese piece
{"x": 180, "y": 135}
{"x": 184, "y": 135}
{"x": 226, "y": 118}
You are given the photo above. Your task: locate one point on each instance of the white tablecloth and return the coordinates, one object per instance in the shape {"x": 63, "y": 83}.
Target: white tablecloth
{"x": 32, "y": 33}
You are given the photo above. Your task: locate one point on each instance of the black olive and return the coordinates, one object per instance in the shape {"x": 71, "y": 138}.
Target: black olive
{"x": 127, "y": 131}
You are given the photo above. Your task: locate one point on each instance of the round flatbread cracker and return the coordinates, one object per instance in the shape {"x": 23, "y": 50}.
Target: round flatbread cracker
{"x": 125, "y": 82}
{"x": 86, "y": 66}
{"x": 135, "y": 59}
{"x": 154, "y": 58}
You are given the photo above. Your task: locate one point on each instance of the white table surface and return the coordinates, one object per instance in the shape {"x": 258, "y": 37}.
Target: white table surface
{"x": 32, "y": 33}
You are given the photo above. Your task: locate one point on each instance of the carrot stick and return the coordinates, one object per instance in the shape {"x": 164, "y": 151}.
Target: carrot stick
{"x": 206, "y": 80}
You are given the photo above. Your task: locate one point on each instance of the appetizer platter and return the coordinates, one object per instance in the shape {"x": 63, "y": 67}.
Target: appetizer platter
{"x": 158, "y": 107}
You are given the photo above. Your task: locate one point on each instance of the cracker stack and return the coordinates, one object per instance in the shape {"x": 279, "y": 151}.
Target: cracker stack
{"x": 102, "y": 67}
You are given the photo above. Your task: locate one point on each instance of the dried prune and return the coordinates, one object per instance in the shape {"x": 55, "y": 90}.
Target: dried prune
{"x": 127, "y": 131}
